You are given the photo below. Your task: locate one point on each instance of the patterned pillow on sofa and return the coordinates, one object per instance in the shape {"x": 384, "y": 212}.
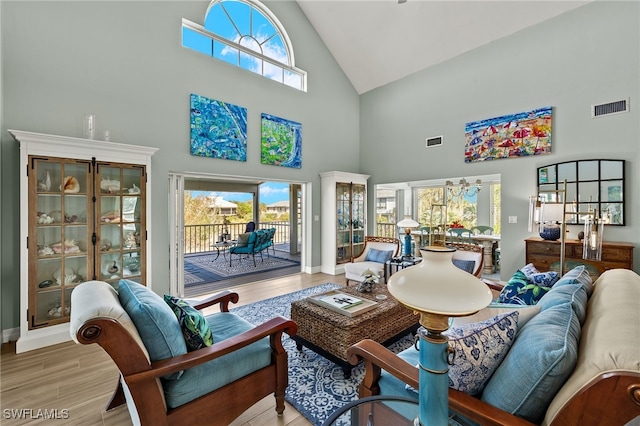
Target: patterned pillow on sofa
{"x": 479, "y": 348}
{"x": 519, "y": 290}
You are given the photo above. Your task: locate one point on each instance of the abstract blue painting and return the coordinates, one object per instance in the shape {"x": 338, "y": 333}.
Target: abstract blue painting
{"x": 281, "y": 142}
{"x": 218, "y": 129}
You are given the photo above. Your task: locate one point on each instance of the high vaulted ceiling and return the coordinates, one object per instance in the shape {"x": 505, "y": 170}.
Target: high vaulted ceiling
{"x": 376, "y": 42}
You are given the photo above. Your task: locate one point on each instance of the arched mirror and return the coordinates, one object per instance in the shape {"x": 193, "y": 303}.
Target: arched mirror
{"x": 591, "y": 184}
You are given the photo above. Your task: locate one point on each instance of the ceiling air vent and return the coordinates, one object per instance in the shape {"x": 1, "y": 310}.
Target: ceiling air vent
{"x": 434, "y": 141}
{"x": 609, "y": 108}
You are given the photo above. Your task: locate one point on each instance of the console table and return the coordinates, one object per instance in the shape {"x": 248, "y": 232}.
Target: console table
{"x": 545, "y": 256}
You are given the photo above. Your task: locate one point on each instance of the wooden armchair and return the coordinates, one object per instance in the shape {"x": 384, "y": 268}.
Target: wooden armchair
{"x": 175, "y": 390}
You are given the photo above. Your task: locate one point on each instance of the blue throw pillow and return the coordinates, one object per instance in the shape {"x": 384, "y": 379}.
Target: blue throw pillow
{"x": 520, "y": 291}
{"x": 465, "y": 265}
{"x": 195, "y": 328}
{"x": 579, "y": 274}
{"x": 541, "y": 359}
{"x": 572, "y": 293}
{"x": 155, "y": 321}
{"x": 379, "y": 256}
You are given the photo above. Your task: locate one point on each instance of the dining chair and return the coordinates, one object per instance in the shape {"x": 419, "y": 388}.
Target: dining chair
{"x": 482, "y": 230}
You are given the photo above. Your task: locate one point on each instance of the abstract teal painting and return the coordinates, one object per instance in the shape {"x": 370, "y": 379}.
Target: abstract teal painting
{"x": 218, "y": 129}
{"x": 281, "y": 142}
{"x": 508, "y": 136}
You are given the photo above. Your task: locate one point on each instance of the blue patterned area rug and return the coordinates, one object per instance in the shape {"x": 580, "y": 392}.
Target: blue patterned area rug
{"x": 207, "y": 268}
{"x": 317, "y": 387}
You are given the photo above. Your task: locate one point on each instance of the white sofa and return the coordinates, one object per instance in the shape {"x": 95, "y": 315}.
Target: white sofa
{"x": 353, "y": 271}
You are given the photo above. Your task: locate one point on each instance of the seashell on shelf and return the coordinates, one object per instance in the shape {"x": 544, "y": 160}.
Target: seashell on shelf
{"x": 70, "y": 185}
{"x": 56, "y": 312}
{"x": 46, "y": 251}
{"x": 134, "y": 189}
{"x": 69, "y": 246}
{"x": 69, "y": 276}
{"x": 44, "y": 219}
{"x": 56, "y": 215}
{"x": 45, "y": 184}
{"x": 110, "y": 185}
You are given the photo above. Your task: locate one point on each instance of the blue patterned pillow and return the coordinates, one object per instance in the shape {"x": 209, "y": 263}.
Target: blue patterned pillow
{"x": 195, "y": 328}
{"x": 520, "y": 291}
{"x": 546, "y": 279}
{"x": 529, "y": 270}
{"x": 465, "y": 265}
{"x": 479, "y": 348}
{"x": 380, "y": 256}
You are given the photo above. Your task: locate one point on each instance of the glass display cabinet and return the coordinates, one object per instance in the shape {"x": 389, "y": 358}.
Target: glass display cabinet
{"x": 83, "y": 217}
{"x": 344, "y": 218}
{"x": 350, "y": 214}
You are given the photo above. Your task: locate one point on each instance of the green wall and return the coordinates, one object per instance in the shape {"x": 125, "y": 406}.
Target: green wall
{"x": 584, "y": 57}
{"x": 123, "y": 61}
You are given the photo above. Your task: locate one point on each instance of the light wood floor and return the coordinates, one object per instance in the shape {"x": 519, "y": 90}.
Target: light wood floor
{"x": 81, "y": 379}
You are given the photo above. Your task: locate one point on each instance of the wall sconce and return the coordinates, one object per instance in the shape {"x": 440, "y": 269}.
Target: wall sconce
{"x": 463, "y": 188}
{"x": 407, "y": 223}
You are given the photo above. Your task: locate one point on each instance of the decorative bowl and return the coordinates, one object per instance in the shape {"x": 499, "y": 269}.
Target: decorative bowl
{"x": 550, "y": 232}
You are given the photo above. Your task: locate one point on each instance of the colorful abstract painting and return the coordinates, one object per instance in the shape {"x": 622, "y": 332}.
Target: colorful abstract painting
{"x": 281, "y": 142}
{"x": 218, "y": 129}
{"x": 515, "y": 135}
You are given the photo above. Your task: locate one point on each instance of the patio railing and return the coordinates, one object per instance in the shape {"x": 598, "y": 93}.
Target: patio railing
{"x": 200, "y": 238}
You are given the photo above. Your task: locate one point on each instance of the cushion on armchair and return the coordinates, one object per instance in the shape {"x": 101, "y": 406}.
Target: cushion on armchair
{"x": 155, "y": 321}
{"x": 204, "y": 378}
{"x": 379, "y": 256}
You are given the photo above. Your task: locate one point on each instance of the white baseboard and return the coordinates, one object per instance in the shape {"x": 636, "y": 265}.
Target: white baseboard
{"x": 10, "y": 334}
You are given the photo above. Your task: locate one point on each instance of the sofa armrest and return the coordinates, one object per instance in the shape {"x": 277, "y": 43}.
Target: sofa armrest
{"x": 376, "y": 358}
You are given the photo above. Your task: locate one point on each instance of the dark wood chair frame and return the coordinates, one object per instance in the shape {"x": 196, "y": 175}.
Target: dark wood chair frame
{"x": 220, "y": 406}
{"x": 611, "y": 398}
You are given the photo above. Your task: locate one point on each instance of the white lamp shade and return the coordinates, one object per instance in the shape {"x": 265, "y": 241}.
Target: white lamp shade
{"x": 552, "y": 212}
{"x": 407, "y": 222}
{"x": 437, "y": 286}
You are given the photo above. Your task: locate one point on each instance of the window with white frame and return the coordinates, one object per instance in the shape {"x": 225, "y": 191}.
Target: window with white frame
{"x": 246, "y": 34}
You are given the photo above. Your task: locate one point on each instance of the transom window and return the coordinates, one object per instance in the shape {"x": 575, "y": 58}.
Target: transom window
{"x": 246, "y": 34}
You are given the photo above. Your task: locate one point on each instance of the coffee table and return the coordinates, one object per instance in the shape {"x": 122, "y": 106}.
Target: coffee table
{"x": 330, "y": 333}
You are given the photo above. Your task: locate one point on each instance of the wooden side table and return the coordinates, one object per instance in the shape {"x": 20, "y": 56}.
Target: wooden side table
{"x": 545, "y": 255}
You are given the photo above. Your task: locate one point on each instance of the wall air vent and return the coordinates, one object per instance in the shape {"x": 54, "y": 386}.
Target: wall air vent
{"x": 434, "y": 141}
{"x": 609, "y": 108}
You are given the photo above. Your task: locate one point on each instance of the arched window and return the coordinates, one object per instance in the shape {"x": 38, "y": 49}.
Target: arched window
{"x": 246, "y": 34}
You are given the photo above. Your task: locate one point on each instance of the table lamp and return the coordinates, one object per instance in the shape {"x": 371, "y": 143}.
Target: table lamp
{"x": 407, "y": 223}
{"x": 437, "y": 290}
